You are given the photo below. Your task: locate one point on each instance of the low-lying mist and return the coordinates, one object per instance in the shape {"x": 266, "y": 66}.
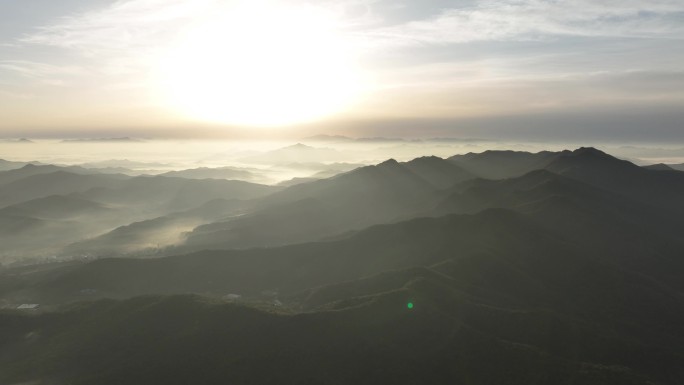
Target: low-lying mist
{"x": 271, "y": 162}
{"x": 83, "y": 199}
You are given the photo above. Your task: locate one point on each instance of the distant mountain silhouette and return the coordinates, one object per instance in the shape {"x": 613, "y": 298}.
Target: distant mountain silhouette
{"x": 585, "y": 164}
{"x": 42, "y": 202}
{"x": 213, "y": 173}
{"x": 167, "y": 194}
{"x": 328, "y": 138}
{"x": 365, "y": 196}
{"x": 124, "y": 163}
{"x": 678, "y": 167}
{"x": 595, "y": 167}
{"x": 394, "y": 191}
{"x": 346, "y": 139}
{"x": 296, "y": 181}
{"x": 124, "y": 139}
{"x": 659, "y": 167}
{"x": 495, "y": 164}
{"x": 317, "y": 171}
{"x": 6, "y": 165}
{"x": 499, "y": 268}
{"x": 330, "y": 207}
{"x": 296, "y": 153}
{"x": 439, "y": 172}
{"x": 56, "y": 207}
{"x": 41, "y": 184}
{"x": 29, "y": 169}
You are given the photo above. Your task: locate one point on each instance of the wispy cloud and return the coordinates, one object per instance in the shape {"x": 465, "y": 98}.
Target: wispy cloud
{"x": 122, "y": 37}
{"x": 129, "y": 32}
{"x": 42, "y": 73}
{"x": 419, "y": 56}
{"x": 124, "y": 25}
{"x": 504, "y": 20}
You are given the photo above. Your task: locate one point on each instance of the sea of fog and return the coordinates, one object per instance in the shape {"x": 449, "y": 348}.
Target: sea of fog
{"x": 277, "y": 161}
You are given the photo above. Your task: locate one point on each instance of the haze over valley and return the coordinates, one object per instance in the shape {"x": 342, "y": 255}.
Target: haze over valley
{"x": 516, "y": 251}
{"x": 341, "y": 192}
{"x": 169, "y": 194}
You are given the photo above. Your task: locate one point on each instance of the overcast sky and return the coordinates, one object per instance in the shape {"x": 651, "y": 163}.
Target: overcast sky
{"x": 528, "y": 69}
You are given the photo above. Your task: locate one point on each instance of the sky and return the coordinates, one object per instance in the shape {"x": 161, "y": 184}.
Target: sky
{"x": 523, "y": 69}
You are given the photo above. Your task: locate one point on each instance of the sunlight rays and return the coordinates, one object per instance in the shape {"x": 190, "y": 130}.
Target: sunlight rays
{"x": 261, "y": 65}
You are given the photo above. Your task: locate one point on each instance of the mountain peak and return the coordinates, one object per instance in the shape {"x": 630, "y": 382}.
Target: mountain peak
{"x": 591, "y": 160}
{"x": 659, "y": 167}
{"x": 298, "y": 146}
{"x": 429, "y": 158}
{"x": 389, "y": 162}
{"x": 590, "y": 151}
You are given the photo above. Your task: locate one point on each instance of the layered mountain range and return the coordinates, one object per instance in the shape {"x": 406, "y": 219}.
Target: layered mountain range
{"x": 498, "y": 267}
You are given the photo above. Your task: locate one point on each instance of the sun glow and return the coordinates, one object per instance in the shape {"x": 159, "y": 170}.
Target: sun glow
{"x": 261, "y": 65}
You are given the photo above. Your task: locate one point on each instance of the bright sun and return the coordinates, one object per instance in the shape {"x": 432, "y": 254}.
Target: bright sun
{"x": 261, "y": 65}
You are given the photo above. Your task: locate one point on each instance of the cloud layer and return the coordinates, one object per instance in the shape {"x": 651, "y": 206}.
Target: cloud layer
{"x": 542, "y": 19}
{"x": 430, "y": 59}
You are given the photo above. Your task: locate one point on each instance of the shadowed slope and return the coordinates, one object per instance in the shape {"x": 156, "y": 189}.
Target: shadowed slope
{"x": 310, "y": 211}
{"x": 495, "y": 164}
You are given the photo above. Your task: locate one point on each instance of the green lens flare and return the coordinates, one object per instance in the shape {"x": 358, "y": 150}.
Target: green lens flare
{"x": 409, "y": 305}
